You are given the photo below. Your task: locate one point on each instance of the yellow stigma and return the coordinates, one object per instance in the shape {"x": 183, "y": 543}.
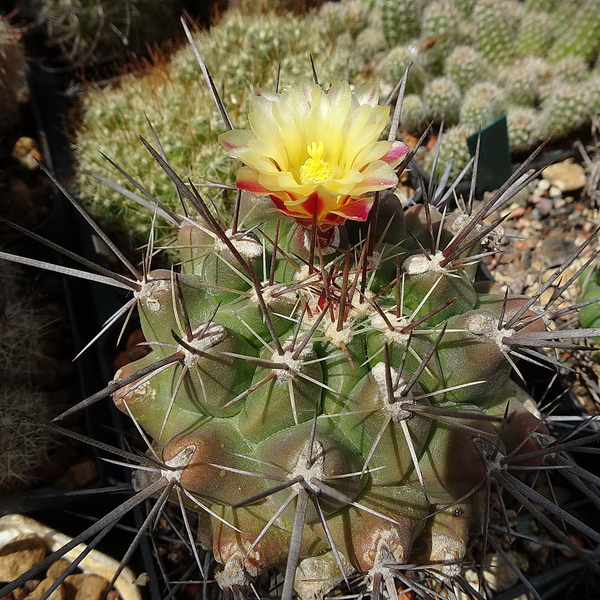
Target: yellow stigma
{"x": 315, "y": 170}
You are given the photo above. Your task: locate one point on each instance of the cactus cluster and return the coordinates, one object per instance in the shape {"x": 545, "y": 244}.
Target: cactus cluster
{"x": 495, "y": 42}
{"x": 329, "y": 382}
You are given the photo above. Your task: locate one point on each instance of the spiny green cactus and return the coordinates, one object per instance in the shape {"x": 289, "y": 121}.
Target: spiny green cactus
{"x": 582, "y": 38}
{"x": 441, "y": 23}
{"x": 452, "y": 146}
{"x": 565, "y": 107}
{"x": 522, "y": 124}
{"x": 466, "y": 66}
{"x": 414, "y": 113}
{"x": 350, "y": 16}
{"x": 496, "y": 25}
{"x": 443, "y": 97}
{"x": 394, "y": 64}
{"x": 535, "y": 34}
{"x": 328, "y": 381}
{"x": 482, "y": 104}
{"x": 520, "y": 83}
{"x": 401, "y": 20}
{"x": 571, "y": 69}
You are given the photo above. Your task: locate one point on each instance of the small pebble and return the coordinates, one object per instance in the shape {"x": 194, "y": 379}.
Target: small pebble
{"x": 85, "y": 587}
{"x": 544, "y": 206}
{"x": 559, "y": 203}
{"x": 554, "y": 192}
{"x": 566, "y": 175}
{"x": 543, "y": 185}
{"x": 19, "y": 555}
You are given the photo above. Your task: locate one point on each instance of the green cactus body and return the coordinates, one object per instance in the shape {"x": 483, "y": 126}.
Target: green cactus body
{"x": 522, "y": 128}
{"x": 443, "y": 96}
{"x": 535, "y": 34}
{"x": 299, "y": 377}
{"x": 394, "y": 64}
{"x": 540, "y": 5}
{"x": 466, "y": 66}
{"x": 453, "y": 145}
{"x": 400, "y": 20}
{"x": 482, "y": 104}
{"x": 564, "y": 108}
{"x": 583, "y": 37}
{"x": 520, "y": 83}
{"x": 441, "y": 25}
{"x": 496, "y": 25}
{"x": 414, "y": 113}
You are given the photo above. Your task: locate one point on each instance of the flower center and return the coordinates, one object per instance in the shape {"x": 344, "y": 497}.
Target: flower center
{"x": 315, "y": 169}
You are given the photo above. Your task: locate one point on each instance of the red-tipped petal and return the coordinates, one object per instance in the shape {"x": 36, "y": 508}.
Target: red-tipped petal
{"x": 395, "y": 154}
{"x": 247, "y": 179}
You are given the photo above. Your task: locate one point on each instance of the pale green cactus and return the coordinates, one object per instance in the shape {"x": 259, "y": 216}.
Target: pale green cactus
{"x": 496, "y": 25}
{"x": 520, "y": 82}
{"x": 401, "y": 20}
{"x": 482, "y": 104}
{"x": 466, "y": 66}
{"x": 443, "y": 97}
{"x": 441, "y": 23}
{"x": 565, "y": 107}
{"x": 415, "y": 113}
{"x": 572, "y": 69}
{"x": 522, "y": 124}
{"x": 535, "y": 34}
{"x": 582, "y": 38}
{"x": 540, "y": 5}
{"x": 452, "y": 146}
{"x": 394, "y": 64}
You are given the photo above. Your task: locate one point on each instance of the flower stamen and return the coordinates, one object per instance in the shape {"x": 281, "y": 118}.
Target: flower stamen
{"x": 315, "y": 169}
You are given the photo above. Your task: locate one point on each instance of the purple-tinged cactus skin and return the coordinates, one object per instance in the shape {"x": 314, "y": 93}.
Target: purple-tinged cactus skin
{"x": 328, "y": 382}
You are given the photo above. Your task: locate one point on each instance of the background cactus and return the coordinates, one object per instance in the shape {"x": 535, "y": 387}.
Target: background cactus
{"x": 401, "y": 20}
{"x": 328, "y": 380}
{"x": 93, "y": 31}
{"x": 443, "y": 97}
{"x": 25, "y": 378}
{"x": 583, "y": 37}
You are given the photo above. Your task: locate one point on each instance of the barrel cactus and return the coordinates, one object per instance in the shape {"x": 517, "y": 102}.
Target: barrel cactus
{"x": 328, "y": 381}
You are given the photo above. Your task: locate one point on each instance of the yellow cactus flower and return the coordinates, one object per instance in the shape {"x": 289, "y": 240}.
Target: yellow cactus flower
{"x": 316, "y": 153}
